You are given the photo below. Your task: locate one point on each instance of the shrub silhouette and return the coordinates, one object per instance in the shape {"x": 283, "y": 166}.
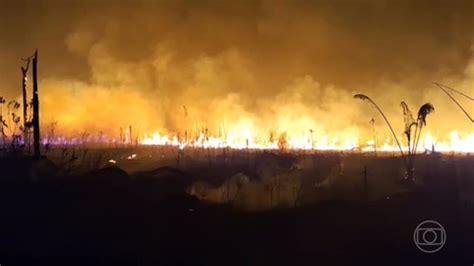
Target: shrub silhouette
{"x": 410, "y": 123}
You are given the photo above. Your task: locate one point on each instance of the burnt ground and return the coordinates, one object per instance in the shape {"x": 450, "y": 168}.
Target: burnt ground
{"x": 105, "y": 217}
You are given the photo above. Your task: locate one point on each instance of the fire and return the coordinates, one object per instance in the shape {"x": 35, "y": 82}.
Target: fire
{"x": 456, "y": 142}
{"x": 245, "y": 138}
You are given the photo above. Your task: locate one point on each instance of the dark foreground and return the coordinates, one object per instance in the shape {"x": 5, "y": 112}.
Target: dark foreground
{"x": 92, "y": 220}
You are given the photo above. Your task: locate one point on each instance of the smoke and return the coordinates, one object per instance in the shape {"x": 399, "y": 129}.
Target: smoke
{"x": 251, "y": 67}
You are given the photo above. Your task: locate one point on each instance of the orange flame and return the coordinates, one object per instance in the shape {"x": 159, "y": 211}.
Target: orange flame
{"x": 245, "y": 138}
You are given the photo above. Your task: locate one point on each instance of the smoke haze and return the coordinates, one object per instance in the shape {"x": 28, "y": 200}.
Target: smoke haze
{"x": 262, "y": 66}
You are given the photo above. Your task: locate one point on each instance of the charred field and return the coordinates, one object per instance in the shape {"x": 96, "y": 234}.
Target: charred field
{"x": 146, "y": 206}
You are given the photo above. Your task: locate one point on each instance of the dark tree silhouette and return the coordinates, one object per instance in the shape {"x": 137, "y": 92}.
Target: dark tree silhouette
{"x": 36, "y": 122}
{"x": 24, "y": 72}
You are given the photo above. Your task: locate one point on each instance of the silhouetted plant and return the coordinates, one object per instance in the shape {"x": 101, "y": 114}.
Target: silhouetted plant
{"x": 366, "y": 98}
{"x": 16, "y": 120}
{"x": 423, "y": 112}
{"x": 12, "y": 106}
{"x": 14, "y": 124}
{"x": 372, "y": 122}
{"x": 410, "y": 123}
{"x": 3, "y": 123}
{"x": 51, "y": 135}
{"x": 444, "y": 87}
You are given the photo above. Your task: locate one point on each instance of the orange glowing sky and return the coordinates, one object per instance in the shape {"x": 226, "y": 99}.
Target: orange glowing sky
{"x": 243, "y": 68}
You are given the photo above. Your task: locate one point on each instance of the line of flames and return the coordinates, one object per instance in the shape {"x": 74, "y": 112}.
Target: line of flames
{"x": 456, "y": 142}
{"x": 463, "y": 143}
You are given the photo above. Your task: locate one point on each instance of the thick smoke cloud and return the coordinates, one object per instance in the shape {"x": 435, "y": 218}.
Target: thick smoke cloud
{"x": 267, "y": 66}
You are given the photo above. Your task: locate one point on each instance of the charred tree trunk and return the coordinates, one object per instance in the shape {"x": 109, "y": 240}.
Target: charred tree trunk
{"x": 24, "y": 72}
{"x": 36, "y": 124}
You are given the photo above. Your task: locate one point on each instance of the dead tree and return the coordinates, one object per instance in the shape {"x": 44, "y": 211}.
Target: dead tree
{"x": 26, "y": 125}
{"x": 36, "y": 122}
